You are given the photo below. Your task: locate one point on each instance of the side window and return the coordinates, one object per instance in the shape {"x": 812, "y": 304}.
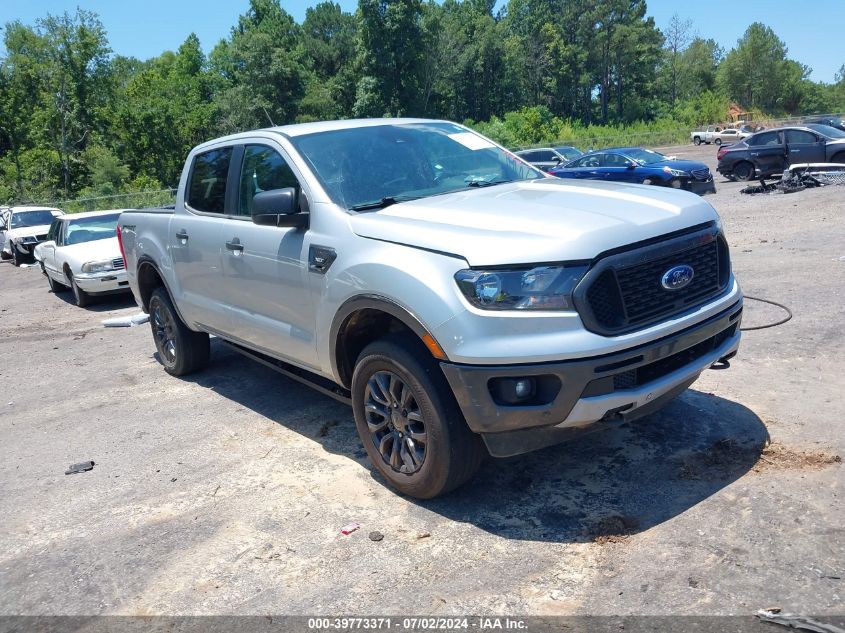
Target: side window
{"x": 263, "y": 169}
{"x": 207, "y": 189}
{"x": 799, "y": 136}
{"x": 529, "y": 156}
{"x": 766, "y": 138}
{"x": 53, "y": 233}
{"x": 615, "y": 160}
{"x": 546, "y": 156}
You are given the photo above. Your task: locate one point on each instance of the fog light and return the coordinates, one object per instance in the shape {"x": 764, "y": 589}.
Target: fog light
{"x": 513, "y": 390}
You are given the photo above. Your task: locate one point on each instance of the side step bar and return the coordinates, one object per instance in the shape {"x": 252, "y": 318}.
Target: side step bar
{"x": 323, "y": 385}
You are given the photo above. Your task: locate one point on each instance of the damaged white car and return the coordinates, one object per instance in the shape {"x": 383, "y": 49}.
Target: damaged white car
{"x": 81, "y": 253}
{"x": 22, "y": 229}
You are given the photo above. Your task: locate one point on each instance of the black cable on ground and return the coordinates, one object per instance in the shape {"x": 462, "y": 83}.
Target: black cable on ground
{"x": 774, "y": 303}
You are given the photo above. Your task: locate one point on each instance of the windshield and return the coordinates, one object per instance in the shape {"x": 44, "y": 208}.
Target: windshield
{"x": 98, "y": 227}
{"x": 644, "y": 156}
{"x": 31, "y": 218}
{"x": 569, "y": 153}
{"x": 830, "y": 132}
{"x": 371, "y": 167}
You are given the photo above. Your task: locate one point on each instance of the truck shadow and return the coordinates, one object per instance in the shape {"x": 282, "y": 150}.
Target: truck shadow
{"x": 599, "y": 487}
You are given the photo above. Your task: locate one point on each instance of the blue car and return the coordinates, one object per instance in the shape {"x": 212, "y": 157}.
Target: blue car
{"x": 639, "y": 165}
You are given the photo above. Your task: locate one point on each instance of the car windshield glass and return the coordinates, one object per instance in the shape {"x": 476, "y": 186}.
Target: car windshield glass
{"x": 31, "y": 218}
{"x": 98, "y": 227}
{"x": 830, "y": 132}
{"x": 367, "y": 168}
{"x": 644, "y": 156}
{"x": 569, "y": 153}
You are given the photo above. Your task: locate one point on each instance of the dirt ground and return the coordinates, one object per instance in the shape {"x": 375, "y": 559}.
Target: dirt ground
{"x": 224, "y": 493}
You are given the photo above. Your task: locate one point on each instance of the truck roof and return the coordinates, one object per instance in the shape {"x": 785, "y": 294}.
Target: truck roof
{"x": 300, "y": 129}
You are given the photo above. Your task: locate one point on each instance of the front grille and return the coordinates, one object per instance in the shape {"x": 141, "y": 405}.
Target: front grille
{"x": 118, "y": 263}
{"x": 701, "y": 174}
{"x": 625, "y": 297}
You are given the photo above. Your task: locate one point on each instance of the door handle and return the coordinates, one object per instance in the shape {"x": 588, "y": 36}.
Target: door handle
{"x": 235, "y": 246}
{"x": 182, "y": 234}
{"x": 754, "y": 153}
{"x": 320, "y": 258}
{"x": 795, "y": 151}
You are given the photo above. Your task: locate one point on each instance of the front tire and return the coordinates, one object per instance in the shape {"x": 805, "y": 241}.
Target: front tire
{"x": 17, "y": 258}
{"x": 81, "y": 298}
{"x": 55, "y": 286}
{"x": 180, "y": 349}
{"x": 718, "y": 141}
{"x": 409, "y": 422}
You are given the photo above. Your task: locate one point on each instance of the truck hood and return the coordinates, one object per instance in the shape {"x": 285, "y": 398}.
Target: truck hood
{"x": 535, "y": 221}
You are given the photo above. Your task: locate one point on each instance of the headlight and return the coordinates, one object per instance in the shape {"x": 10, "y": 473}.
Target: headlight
{"x": 678, "y": 173}
{"x": 97, "y": 267}
{"x": 29, "y": 239}
{"x": 538, "y": 288}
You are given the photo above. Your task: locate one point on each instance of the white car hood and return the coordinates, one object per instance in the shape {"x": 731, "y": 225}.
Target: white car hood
{"x": 98, "y": 250}
{"x": 534, "y": 221}
{"x": 26, "y": 231}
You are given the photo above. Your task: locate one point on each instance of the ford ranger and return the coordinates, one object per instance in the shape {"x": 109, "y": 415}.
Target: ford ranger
{"x": 460, "y": 300}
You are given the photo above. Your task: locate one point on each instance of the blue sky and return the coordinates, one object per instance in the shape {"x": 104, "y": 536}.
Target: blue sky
{"x": 145, "y": 29}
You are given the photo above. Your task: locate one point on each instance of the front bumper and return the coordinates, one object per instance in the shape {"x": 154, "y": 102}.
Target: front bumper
{"x": 108, "y": 281}
{"x": 701, "y": 186}
{"x": 574, "y": 394}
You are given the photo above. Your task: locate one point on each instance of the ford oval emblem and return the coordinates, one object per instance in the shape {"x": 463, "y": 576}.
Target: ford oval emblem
{"x": 677, "y": 277}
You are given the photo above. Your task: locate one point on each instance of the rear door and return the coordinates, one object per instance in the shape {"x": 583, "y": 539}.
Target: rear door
{"x": 196, "y": 240}
{"x": 804, "y": 147}
{"x": 768, "y": 152}
{"x": 266, "y": 267}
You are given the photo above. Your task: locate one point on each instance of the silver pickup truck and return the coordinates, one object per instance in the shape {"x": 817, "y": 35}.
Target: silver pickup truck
{"x": 459, "y": 299}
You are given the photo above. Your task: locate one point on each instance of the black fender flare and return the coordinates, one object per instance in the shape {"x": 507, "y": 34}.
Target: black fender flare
{"x": 372, "y": 302}
{"x": 146, "y": 260}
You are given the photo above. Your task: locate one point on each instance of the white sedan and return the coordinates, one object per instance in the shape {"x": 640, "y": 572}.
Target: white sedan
{"x": 21, "y": 229}
{"x": 81, "y": 253}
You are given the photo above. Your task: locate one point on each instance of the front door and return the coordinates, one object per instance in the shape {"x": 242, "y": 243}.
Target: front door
{"x": 266, "y": 267}
{"x": 804, "y": 147}
{"x": 768, "y": 152}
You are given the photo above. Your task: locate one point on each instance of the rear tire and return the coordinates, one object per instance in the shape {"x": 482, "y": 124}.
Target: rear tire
{"x": 409, "y": 422}
{"x": 648, "y": 181}
{"x": 696, "y": 141}
{"x": 4, "y": 255}
{"x": 180, "y": 349}
{"x": 718, "y": 141}
{"x": 743, "y": 171}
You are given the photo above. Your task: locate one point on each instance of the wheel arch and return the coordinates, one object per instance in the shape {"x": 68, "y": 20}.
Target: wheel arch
{"x": 365, "y": 318}
{"x": 149, "y": 278}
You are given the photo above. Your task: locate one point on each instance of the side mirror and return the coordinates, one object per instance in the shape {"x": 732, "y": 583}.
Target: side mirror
{"x": 557, "y": 160}
{"x": 277, "y": 207}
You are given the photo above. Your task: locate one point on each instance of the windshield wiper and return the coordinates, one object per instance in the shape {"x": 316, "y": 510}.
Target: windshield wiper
{"x": 486, "y": 183}
{"x": 381, "y": 204}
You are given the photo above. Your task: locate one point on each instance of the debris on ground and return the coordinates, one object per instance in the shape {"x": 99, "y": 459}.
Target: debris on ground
{"x": 376, "y": 536}
{"x": 349, "y": 528}
{"x": 324, "y": 428}
{"x": 81, "y": 467}
{"x": 128, "y": 321}
{"x": 800, "y": 177}
{"x": 611, "y": 529}
{"x": 422, "y": 535}
{"x": 794, "y": 621}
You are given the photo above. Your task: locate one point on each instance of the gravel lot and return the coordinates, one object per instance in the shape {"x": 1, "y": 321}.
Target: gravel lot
{"x": 224, "y": 493}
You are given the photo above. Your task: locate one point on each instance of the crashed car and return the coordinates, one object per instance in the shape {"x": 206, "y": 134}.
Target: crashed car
{"x": 81, "y": 253}
{"x": 22, "y": 229}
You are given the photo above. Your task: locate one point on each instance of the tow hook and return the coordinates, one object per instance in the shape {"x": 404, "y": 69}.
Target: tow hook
{"x": 724, "y": 362}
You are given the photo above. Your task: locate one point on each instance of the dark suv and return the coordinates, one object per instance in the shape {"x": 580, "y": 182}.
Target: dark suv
{"x": 771, "y": 151}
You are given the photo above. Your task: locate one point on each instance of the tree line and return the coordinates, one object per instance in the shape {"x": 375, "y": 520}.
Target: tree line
{"x": 76, "y": 120}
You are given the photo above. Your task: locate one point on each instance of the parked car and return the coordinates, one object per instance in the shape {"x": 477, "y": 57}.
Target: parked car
{"x": 639, "y": 165}
{"x": 835, "y": 121}
{"x": 730, "y": 135}
{"x": 452, "y": 294}
{"x": 704, "y": 135}
{"x": 81, "y": 253}
{"x": 769, "y": 152}
{"x": 546, "y": 158}
{"x": 21, "y": 229}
